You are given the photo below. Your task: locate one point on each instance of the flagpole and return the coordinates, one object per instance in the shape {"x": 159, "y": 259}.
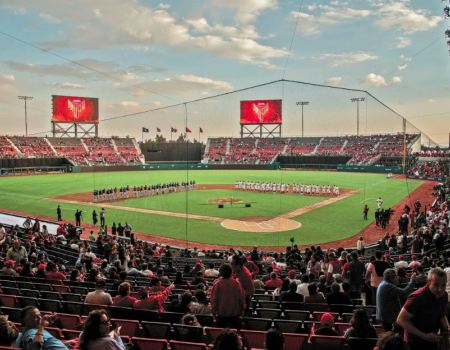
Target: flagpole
{"x": 171, "y": 132}
{"x": 142, "y": 136}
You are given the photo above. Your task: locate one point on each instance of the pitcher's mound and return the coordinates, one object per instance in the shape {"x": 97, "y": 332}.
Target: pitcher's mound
{"x": 225, "y": 200}
{"x": 273, "y": 225}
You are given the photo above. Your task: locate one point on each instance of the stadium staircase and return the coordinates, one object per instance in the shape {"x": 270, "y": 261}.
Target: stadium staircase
{"x": 228, "y": 146}
{"x": 315, "y": 149}
{"x": 51, "y": 146}
{"x": 139, "y": 152}
{"x": 343, "y": 146}
{"x": 114, "y": 145}
{"x": 14, "y": 146}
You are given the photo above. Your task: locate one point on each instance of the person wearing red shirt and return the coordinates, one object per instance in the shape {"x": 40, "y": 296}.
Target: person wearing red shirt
{"x": 152, "y": 302}
{"x": 124, "y": 299}
{"x": 243, "y": 275}
{"x": 274, "y": 281}
{"x": 53, "y": 273}
{"x": 227, "y": 299}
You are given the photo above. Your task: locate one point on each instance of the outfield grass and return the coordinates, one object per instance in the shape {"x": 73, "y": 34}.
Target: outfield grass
{"x": 329, "y": 223}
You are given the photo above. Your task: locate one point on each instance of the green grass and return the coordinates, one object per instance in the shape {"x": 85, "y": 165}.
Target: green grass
{"x": 332, "y": 222}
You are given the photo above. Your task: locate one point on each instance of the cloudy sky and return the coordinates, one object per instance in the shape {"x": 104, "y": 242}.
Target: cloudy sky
{"x": 141, "y": 55}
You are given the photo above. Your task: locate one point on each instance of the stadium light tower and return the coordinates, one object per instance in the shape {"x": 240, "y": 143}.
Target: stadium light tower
{"x": 26, "y": 118}
{"x": 357, "y": 100}
{"x": 302, "y": 104}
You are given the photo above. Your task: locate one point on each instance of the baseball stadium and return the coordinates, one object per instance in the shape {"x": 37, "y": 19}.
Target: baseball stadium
{"x": 170, "y": 210}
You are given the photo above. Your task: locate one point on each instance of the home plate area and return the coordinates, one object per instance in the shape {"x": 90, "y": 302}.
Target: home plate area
{"x": 277, "y": 224}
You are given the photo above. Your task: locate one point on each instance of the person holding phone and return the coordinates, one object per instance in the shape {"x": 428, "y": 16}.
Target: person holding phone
{"x": 96, "y": 334}
{"x": 34, "y": 336}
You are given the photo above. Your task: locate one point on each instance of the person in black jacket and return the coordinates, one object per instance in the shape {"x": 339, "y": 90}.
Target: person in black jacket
{"x": 338, "y": 297}
{"x": 292, "y": 294}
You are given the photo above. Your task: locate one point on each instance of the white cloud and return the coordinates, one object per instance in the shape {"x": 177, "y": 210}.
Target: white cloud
{"x": 164, "y": 6}
{"x": 350, "y": 57}
{"x": 68, "y": 86}
{"x": 7, "y": 77}
{"x": 180, "y": 85}
{"x": 123, "y": 23}
{"x": 314, "y": 24}
{"x": 126, "y": 107}
{"x": 378, "y": 80}
{"x": 200, "y": 25}
{"x": 431, "y": 100}
{"x": 49, "y": 18}
{"x": 407, "y": 59}
{"x": 248, "y": 10}
{"x": 334, "y": 81}
{"x": 403, "y": 66}
{"x": 402, "y": 42}
{"x": 399, "y": 14}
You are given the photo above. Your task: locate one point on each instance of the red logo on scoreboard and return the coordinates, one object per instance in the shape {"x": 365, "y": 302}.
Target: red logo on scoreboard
{"x": 261, "y": 112}
{"x": 75, "y": 109}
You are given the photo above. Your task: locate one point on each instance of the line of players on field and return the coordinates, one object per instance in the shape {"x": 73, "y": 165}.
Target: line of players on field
{"x": 270, "y": 187}
{"x": 142, "y": 191}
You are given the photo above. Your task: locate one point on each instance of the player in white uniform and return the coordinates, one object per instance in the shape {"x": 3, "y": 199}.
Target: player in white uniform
{"x": 274, "y": 188}
{"x": 302, "y": 187}
{"x": 313, "y": 189}
{"x": 329, "y": 189}
{"x": 337, "y": 190}
{"x": 282, "y": 188}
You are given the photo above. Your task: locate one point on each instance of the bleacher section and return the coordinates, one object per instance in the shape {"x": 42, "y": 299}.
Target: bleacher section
{"x": 80, "y": 152}
{"x": 366, "y": 150}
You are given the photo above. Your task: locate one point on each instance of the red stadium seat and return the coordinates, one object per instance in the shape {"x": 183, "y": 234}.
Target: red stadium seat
{"x": 179, "y": 345}
{"x": 253, "y": 339}
{"x": 129, "y": 328}
{"x": 8, "y": 300}
{"x": 295, "y": 341}
{"x": 150, "y": 344}
{"x": 322, "y": 342}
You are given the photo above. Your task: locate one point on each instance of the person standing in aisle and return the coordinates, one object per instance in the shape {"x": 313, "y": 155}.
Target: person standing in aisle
{"x": 102, "y": 217}
{"x": 58, "y": 212}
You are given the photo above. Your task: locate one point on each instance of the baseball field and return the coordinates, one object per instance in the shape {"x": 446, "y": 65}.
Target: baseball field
{"x": 195, "y": 216}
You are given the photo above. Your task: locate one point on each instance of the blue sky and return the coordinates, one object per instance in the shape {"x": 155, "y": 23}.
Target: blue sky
{"x": 192, "y": 49}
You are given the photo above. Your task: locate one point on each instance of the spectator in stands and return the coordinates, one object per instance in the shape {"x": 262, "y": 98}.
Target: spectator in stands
{"x": 53, "y": 272}
{"x": 314, "y": 296}
{"x": 26, "y": 270}
{"x": 199, "y": 279}
{"x": 179, "y": 280}
{"x": 160, "y": 274}
{"x": 402, "y": 277}
{"x": 313, "y": 266}
{"x": 124, "y": 299}
{"x": 244, "y": 276}
{"x": 374, "y": 274}
{"x": 266, "y": 277}
{"x": 338, "y": 297}
{"x": 201, "y": 306}
{"x": 327, "y": 322}
{"x": 274, "y": 281}
{"x": 274, "y": 339}
{"x": 355, "y": 274}
{"x": 182, "y": 304}
{"x": 99, "y": 296}
{"x": 155, "y": 286}
{"x": 211, "y": 272}
{"x": 283, "y": 288}
{"x": 392, "y": 341}
{"x": 93, "y": 276}
{"x": 27, "y": 224}
{"x": 401, "y": 263}
{"x": 303, "y": 287}
{"x": 127, "y": 229}
{"x": 191, "y": 335}
{"x": 9, "y": 269}
{"x": 34, "y": 335}
{"x": 227, "y": 299}
{"x": 227, "y": 340}
{"x": 424, "y": 313}
{"x": 96, "y": 334}
{"x": 388, "y": 294}
{"x": 152, "y": 302}
{"x": 8, "y": 332}
{"x": 122, "y": 278}
{"x": 361, "y": 326}
{"x": 414, "y": 262}
{"x": 16, "y": 252}
{"x": 170, "y": 269}
{"x": 334, "y": 267}
{"x": 292, "y": 294}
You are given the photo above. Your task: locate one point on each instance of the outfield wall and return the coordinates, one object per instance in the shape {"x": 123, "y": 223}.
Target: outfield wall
{"x": 310, "y": 160}
{"x": 158, "y": 152}
{"x": 371, "y": 169}
{"x": 32, "y": 162}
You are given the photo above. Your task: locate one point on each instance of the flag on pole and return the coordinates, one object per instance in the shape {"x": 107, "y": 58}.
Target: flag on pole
{"x": 158, "y": 129}
{"x": 173, "y": 130}
{"x": 145, "y": 129}
{"x": 187, "y": 130}
{"x": 201, "y": 130}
